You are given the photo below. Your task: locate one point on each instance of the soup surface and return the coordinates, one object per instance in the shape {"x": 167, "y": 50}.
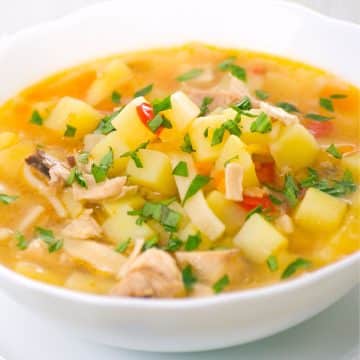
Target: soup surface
{"x": 179, "y": 172}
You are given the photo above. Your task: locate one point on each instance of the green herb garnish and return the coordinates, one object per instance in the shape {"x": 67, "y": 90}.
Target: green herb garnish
{"x": 224, "y": 65}
{"x": 220, "y": 285}
{"x": 83, "y": 157}
{"x": 181, "y": 169}
{"x": 189, "y": 75}
{"x": 243, "y": 105}
{"x": 116, "y": 97}
{"x": 290, "y": 108}
{"x": 21, "y": 243}
{"x": 338, "y": 96}
{"x": 262, "y": 124}
{"x": 318, "y": 117}
{"x": 174, "y": 244}
{"x": 105, "y": 126}
{"x": 326, "y": 104}
{"x": 332, "y": 150}
{"x": 150, "y": 243}
{"x": 237, "y": 71}
{"x": 36, "y": 118}
{"x": 7, "y": 199}
{"x": 198, "y": 182}
{"x": 275, "y": 200}
{"x": 123, "y": 246}
{"x": 218, "y": 135}
{"x": 272, "y": 263}
{"x": 100, "y": 171}
{"x": 161, "y": 104}
{"x": 48, "y": 237}
{"x": 294, "y": 266}
{"x": 187, "y": 145}
{"x": 134, "y": 154}
{"x": 291, "y": 190}
{"x": 157, "y": 122}
{"x": 204, "y": 107}
{"x": 261, "y": 94}
{"x": 188, "y": 277}
{"x": 76, "y": 176}
{"x": 256, "y": 210}
{"x": 144, "y": 91}
{"x": 192, "y": 242}
{"x": 70, "y": 131}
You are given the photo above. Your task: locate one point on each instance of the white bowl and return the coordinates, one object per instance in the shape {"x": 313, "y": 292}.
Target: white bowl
{"x": 107, "y": 28}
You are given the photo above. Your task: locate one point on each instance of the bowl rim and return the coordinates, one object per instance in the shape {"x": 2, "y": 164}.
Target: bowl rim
{"x": 180, "y": 303}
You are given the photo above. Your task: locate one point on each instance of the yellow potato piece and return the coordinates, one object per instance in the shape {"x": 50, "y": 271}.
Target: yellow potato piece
{"x": 352, "y": 163}
{"x": 319, "y": 211}
{"x": 7, "y": 139}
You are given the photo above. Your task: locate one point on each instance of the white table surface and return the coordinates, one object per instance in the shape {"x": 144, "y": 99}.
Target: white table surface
{"x": 331, "y": 335}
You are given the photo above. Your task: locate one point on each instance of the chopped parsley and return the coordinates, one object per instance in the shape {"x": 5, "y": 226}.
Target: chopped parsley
{"x": 218, "y": 135}
{"x": 7, "y": 199}
{"x": 327, "y": 104}
{"x": 100, "y": 171}
{"x": 291, "y": 190}
{"x": 105, "y": 126}
{"x": 317, "y": 117}
{"x": 332, "y": 150}
{"x": 262, "y": 124}
{"x": 206, "y": 133}
{"x": 275, "y": 200}
{"x": 70, "y": 131}
{"x": 157, "y": 122}
{"x": 243, "y": 105}
{"x": 160, "y": 212}
{"x": 116, "y": 97}
{"x": 48, "y": 237}
{"x": 187, "y": 145}
{"x": 144, "y": 91}
{"x": 261, "y": 94}
{"x": 174, "y": 244}
{"x": 123, "y": 246}
{"x": 256, "y": 210}
{"x": 336, "y": 188}
{"x": 290, "y": 108}
{"x": 150, "y": 243}
{"x": 188, "y": 277}
{"x": 192, "y": 242}
{"x": 204, "y": 107}
{"x": 224, "y": 65}
{"x": 181, "y": 169}
{"x": 189, "y": 75}
{"x": 220, "y": 285}
{"x": 235, "y": 70}
{"x": 338, "y": 96}
{"x": 294, "y": 266}
{"x": 272, "y": 263}
{"x": 83, "y": 157}
{"x": 198, "y": 182}
{"x": 161, "y": 104}
{"x": 21, "y": 242}
{"x": 36, "y": 118}
{"x": 134, "y": 154}
{"x": 76, "y": 176}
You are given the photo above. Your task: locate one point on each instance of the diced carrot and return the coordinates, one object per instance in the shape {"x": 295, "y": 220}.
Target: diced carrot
{"x": 249, "y": 202}
{"x": 258, "y": 69}
{"x": 265, "y": 171}
{"x": 204, "y": 167}
{"x": 219, "y": 180}
{"x": 319, "y": 129}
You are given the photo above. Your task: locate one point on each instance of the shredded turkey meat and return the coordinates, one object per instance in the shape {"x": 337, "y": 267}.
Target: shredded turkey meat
{"x": 84, "y": 227}
{"x": 234, "y": 174}
{"x": 153, "y": 274}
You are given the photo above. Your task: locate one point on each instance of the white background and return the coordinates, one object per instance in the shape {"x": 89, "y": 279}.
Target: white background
{"x": 332, "y": 335}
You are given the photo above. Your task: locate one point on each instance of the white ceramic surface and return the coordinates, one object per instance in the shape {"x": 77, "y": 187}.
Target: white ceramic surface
{"x": 182, "y": 325}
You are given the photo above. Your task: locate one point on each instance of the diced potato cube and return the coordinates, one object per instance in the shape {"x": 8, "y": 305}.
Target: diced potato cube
{"x": 130, "y": 126}
{"x": 112, "y": 76}
{"x": 12, "y": 159}
{"x": 183, "y": 111}
{"x": 111, "y": 206}
{"x": 202, "y": 145}
{"x": 258, "y": 239}
{"x": 73, "y": 207}
{"x": 155, "y": 174}
{"x": 352, "y": 163}
{"x": 231, "y": 214}
{"x": 236, "y": 150}
{"x": 7, "y": 139}
{"x": 319, "y": 211}
{"x": 115, "y": 141}
{"x": 295, "y": 148}
{"x": 75, "y": 113}
{"x": 121, "y": 226}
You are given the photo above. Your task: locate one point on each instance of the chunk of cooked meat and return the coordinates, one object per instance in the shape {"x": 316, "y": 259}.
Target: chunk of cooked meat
{"x": 234, "y": 174}
{"x": 52, "y": 168}
{"x": 84, "y": 227}
{"x": 153, "y": 274}
{"x": 227, "y": 92}
{"x": 278, "y": 113}
{"x": 210, "y": 266}
{"x": 107, "y": 189}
